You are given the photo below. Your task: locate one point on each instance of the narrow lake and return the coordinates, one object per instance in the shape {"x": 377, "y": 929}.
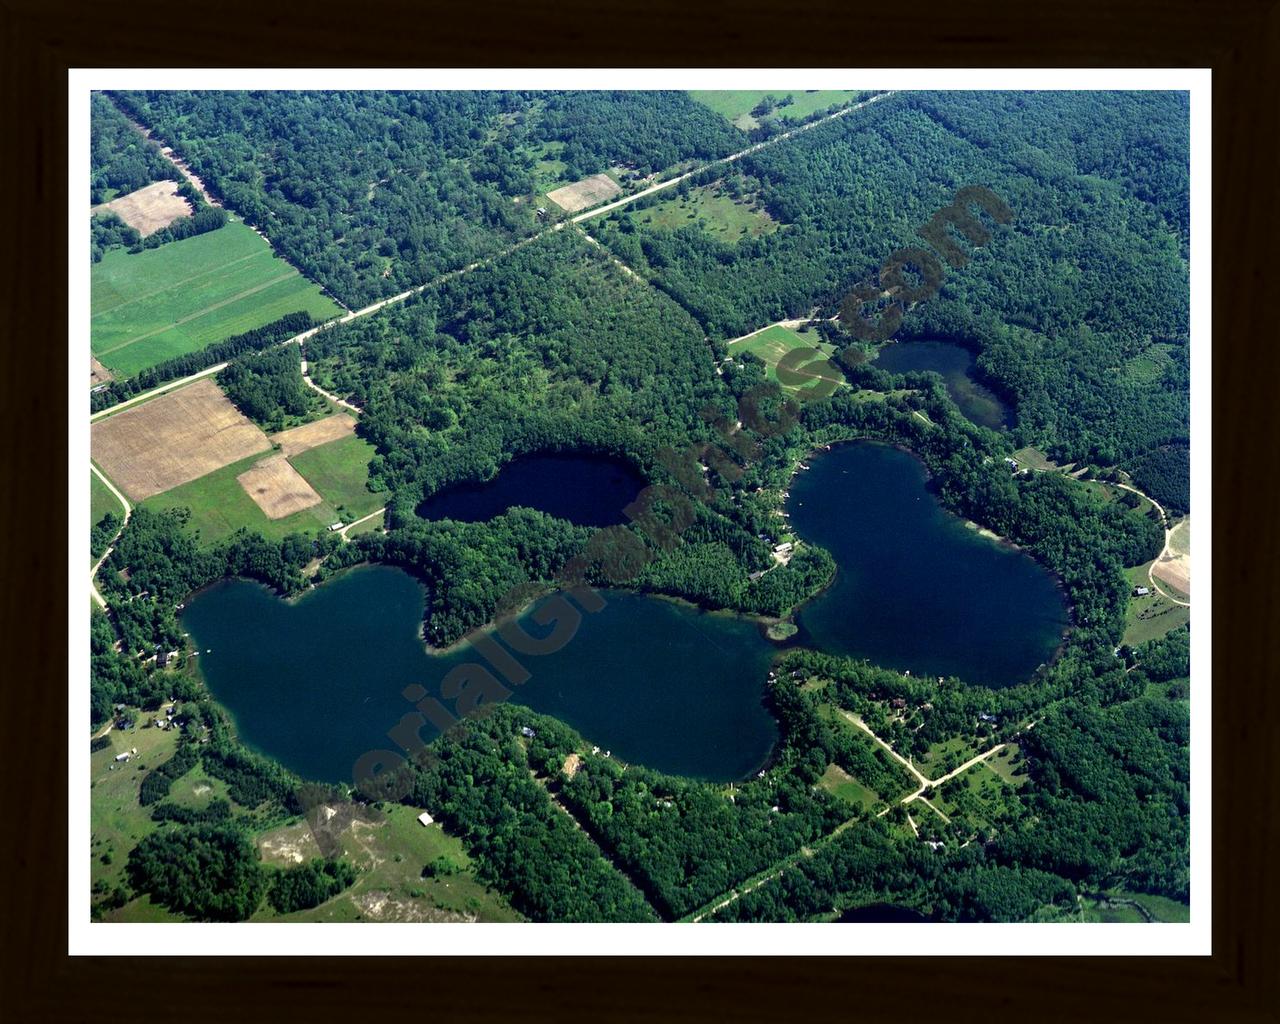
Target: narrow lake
{"x": 590, "y": 490}
{"x": 916, "y": 589}
{"x": 317, "y": 682}
{"x": 956, "y": 365}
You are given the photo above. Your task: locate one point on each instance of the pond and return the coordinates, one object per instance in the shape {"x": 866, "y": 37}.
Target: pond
{"x": 955, "y": 363}
{"x": 586, "y": 489}
{"x": 915, "y": 589}
{"x": 316, "y": 682}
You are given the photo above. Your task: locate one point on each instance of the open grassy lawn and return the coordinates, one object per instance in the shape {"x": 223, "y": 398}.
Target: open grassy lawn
{"x": 1180, "y": 536}
{"x": 185, "y": 295}
{"x": 1152, "y": 615}
{"x": 735, "y": 105}
{"x": 773, "y": 343}
{"x": 339, "y": 471}
{"x": 391, "y": 856}
{"x": 714, "y": 210}
{"x": 101, "y": 500}
{"x": 219, "y": 506}
{"x": 1003, "y": 763}
{"x": 839, "y": 783}
{"x": 116, "y": 820}
{"x": 1032, "y": 458}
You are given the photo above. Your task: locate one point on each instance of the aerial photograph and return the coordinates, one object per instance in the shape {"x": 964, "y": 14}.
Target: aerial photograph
{"x": 636, "y": 505}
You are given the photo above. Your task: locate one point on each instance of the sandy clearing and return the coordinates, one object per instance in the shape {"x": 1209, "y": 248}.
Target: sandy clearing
{"x": 313, "y": 435}
{"x": 150, "y": 208}
{"x": 584, "y": 193}
{"x": 277, "y": 488}
{"x": 98, "y": 374}
{"x": 173, "y": 439}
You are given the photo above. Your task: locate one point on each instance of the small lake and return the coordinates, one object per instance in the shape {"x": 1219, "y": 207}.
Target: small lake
{"x": 916, "y": 589}
{"x": 317, "y": 682}
{"x": 589, "y": 490}
{"x": 956, "y": 365}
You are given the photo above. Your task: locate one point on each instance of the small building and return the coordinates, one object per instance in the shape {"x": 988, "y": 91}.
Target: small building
{"x": 425, "y": 819}
{"x": 1011, "y": 463}
{"x": 335, "y": 527}
{"x": 1141, "y": 591}
{"x": 755, "y": 575}
{"x": 527, "y": 733}
{"x": 898, "y": 702}
{"x": 783, "y": 548}
{"x": 124, "y": 757}
{"x": 542, "y": 212}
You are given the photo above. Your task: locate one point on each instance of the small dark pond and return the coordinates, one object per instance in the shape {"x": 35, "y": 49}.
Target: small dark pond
{"x": 956, "y": 365}
{"x": 590, "y": 490}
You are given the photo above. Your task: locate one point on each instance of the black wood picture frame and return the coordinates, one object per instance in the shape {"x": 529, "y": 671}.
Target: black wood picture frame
{"x": 1238, "y": 39}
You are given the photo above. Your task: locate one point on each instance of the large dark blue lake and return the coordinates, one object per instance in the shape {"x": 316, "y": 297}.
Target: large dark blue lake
{"x": 317, "y": 682}
{"x": 915, "y": 588}
{"x": 955, "y": 364}
{"x": 590, "y": 490}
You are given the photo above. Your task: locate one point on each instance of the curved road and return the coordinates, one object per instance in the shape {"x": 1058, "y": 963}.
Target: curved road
{"x": 1168, "y": 533}
{"x": 128, "y": 511}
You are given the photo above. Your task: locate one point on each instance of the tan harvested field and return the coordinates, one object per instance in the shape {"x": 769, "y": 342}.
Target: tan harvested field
{"x": 98, "y": 374}
{"x": 584, "y": 193}
{"x": 313, "y": 435}
{"x": 173, "y": 439}
{"x": 1174, "y": 570}
{"x": 277, "y": 488}
{"x": 149, "y": 209}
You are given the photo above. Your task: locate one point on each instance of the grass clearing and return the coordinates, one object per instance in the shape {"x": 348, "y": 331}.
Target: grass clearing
{"x": 391, "y": 855}
{"x": 1033, "y": 458}
{"x": 1151, "y": 615}
{"x": 839, "y": 783}
{"x": 219, "y": 506}
{"x": 339, "y": 471}
{"x": 773, "y": 343}
{"x": 101, "y": 500}
{"x": 718, "y": 214}
{"x": 117, "y": 822}
{"x": 735, "y": 105}
{"x": 178, "y": 298}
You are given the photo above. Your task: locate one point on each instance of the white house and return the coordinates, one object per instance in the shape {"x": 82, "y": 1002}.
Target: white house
{"x": 425, "y": 819}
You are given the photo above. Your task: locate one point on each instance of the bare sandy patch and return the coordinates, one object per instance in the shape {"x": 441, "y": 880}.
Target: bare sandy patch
{"x": 293, "y": 844}
{"x": 1174, "y": 570}
{"x": 571, "y": 765}
{"x": 313, "y": 435}
{"x": 584, "y": 193}
{"x": 150, "y": 208}
{"x": 277, "y": 488}
{"x": 98, "y": 374}
{"x": 173, "y": 439}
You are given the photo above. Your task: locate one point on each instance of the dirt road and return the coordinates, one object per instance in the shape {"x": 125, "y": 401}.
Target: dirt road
{"x": 1165, "y": 552}
{"x": 128, "y": 511}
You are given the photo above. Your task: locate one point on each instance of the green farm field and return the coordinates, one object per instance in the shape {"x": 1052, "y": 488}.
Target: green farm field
{"x": 219, "y": 505}
{"x": 176, "y": 299}
{"x": 774, "y": 342}
{"x": 735, "y": 105}
{"x": 101, "y": 500}
{"x": 339, "y": 471}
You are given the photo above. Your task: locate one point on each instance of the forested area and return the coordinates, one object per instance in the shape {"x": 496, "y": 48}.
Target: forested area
{"x": 193, "y": 362}
{"x": 372, "y": 193}
{"x": 646, "y": 131}
{"x": 267, "y": 387}
{"x": 1088, "y": 277}
{"x": 120, "y": 159}
{"x": 478, "y": 781}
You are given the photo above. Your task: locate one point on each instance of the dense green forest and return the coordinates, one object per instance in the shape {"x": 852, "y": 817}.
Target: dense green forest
{"x": 1066, "y": 305}
{"x": 1077, "y": 310}
{"x": 120, "y": 159}
{"x": 267, "y": 387}
{"x": 646, "y": 131}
